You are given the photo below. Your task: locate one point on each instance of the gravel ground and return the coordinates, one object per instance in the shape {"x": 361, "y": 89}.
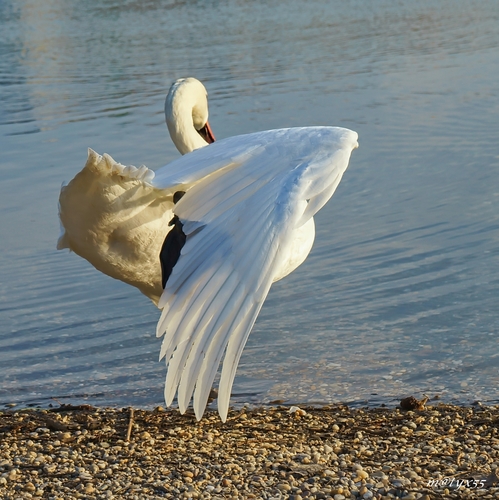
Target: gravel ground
{"x": 275, "y": 452}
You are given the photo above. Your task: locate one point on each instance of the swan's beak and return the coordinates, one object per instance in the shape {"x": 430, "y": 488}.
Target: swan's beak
{"x": 206, "y": 133}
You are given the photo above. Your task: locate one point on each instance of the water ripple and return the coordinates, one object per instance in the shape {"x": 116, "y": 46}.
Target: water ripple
{"x": 399, "y": 293}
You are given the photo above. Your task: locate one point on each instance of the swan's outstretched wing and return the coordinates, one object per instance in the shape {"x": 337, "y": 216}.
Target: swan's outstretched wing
{"x": 249, "y": 194}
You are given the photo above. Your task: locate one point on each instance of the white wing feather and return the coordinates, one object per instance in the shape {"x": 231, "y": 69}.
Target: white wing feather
{"x": 247, "y": 197}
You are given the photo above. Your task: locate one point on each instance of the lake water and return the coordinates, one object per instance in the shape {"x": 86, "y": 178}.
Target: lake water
{"x": 400, "y": 293}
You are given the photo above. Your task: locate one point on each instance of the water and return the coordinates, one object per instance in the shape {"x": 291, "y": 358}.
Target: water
{"x": 399, "y": 295}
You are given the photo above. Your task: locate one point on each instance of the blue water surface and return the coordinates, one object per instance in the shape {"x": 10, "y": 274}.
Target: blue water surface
{"x": 400, "y": 293}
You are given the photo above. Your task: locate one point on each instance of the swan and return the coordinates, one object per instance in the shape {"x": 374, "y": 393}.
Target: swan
{"x": 205, "y": 236}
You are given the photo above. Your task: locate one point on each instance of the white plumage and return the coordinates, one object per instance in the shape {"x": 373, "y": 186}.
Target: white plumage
{"x": 247, "y": 216}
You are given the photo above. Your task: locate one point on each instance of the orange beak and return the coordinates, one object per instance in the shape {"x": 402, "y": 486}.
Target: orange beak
{"x": 207, "y": 134}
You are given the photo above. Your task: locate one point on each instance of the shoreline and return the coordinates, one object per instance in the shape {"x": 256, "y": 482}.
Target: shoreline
{"x": 328, "y": 452}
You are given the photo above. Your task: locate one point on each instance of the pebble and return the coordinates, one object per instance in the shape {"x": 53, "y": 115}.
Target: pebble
{"x": 321, "y": 453}
{"x": 362, "y": 474}
{"x": 89, "y": 489}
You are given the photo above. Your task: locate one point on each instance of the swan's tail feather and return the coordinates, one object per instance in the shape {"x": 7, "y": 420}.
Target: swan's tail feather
{"x": 63, "y": 241}
{"x": 106, "y": 165}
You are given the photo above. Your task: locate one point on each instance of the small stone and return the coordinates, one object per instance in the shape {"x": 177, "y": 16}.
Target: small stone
{"x": 412, "y": 475}
{"x": 411, "y": 403}
{"x": 297, "y": 411}
{"x": 362, "y": 474}
{"x": 29, "y": 487}
{"x": 89, "y": 488}
{"x": 85, "y": 476}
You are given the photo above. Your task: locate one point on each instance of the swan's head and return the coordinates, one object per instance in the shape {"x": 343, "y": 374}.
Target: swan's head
{"x": 186, "y": 112}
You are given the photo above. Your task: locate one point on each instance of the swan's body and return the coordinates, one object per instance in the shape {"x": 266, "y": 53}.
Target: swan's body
{"x": 246, "y": 219}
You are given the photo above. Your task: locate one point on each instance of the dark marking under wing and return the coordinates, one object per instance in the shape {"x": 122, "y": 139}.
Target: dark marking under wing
{"x": 170, "y": 251}
{"x": 177, "y": 196}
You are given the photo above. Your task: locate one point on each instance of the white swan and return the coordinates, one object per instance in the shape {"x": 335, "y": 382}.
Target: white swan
{"x": 218, "y": 225}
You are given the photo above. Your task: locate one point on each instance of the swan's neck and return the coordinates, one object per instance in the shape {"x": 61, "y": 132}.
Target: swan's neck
{"x": 186, "y": 113}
